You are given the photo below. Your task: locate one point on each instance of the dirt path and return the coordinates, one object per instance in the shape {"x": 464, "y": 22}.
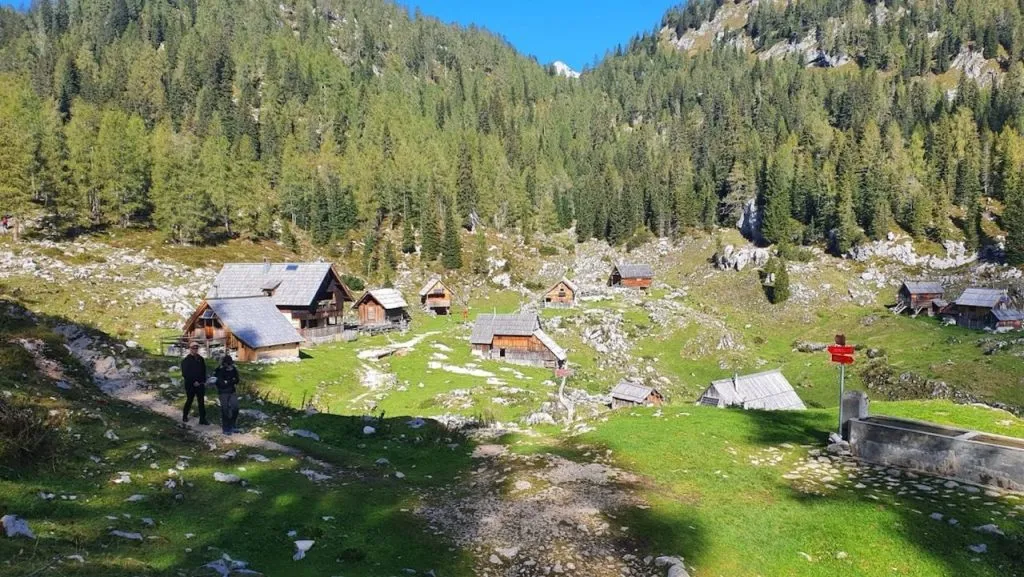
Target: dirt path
{"x": 121, "y": 383}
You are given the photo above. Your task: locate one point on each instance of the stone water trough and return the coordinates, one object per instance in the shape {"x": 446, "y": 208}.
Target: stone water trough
{"x": 960, "y": 454}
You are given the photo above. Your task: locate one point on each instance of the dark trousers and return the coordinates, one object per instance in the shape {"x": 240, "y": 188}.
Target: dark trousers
{"x": 228, "y": 411}
{"x": 197, "y": 392}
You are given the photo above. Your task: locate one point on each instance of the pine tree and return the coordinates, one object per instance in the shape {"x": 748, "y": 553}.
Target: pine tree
{"x": 780, "y": 289}
{"x": 465, "y": 187}
{"x": 320, "y": 216}
{"x": 288, "y": 237}
{"x": 1013, "y": 222}
{"x": 430, "y": 241}
{"x": 390, "y": 259}
{"x": 371, "y": 258}
{"x": 451, "y": 250}
{"x": 408, "y": 237}
{"x": 775, "y": 226}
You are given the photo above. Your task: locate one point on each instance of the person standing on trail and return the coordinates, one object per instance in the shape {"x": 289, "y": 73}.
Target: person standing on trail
{"x": 227, "y": 380}
{"x": 193, "y": 370}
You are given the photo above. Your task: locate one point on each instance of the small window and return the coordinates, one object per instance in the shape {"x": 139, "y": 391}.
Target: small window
{"x": 501, "y": 353}
{"x": 291, "y": 267}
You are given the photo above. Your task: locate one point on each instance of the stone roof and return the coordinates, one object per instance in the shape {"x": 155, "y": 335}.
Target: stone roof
{"x": 388, "y": 298}
{"x": 514, "y": 325}
{"x": 632, "y": 392}
{"x": 981, "y": 297}
{"x": 293, "y": 284}
{"x": 924, "y": 287}
{"x": 255, "y": 321}
{"x": 635, "y": 270}
{"x": 767, "y": 391}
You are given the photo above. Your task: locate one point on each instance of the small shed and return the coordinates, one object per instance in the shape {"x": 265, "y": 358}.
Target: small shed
{"x": 436, "y": 296}
{"x": 627, "y": 394}
{"x": 382, "y": 309}
{"x": 767, "y": 391}
{"x": 515, "y": 338}
{"x": 1007, "y": 319}
{"x": 973, "y": 309}
{"x": 637, "y": 276}
{"x": 252, "y": 327}
{"x": 561, "y": 295}
{"x": 920, "y": 296}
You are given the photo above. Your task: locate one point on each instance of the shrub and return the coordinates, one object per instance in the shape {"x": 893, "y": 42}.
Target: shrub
{"x": 28, "y": 434}
{"x": 795, "y": 253}
{"x": 641, "y": 237}
{"x": 547, "y": 250}
{"x": 353, "y": 282}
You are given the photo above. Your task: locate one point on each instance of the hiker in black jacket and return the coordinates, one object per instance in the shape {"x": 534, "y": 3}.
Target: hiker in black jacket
{"x": 193, "y": 371}
{"x": 227, "y": 380}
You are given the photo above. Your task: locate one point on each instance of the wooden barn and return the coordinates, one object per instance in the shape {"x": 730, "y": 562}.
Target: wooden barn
{"x": 920, "y": 296}
{"x": 382, "y": 309}
{"x": 249, "y": 327}
{"x": 561, "y": 295}
{"x": 974, "y": 308}
{"x": 767, "y": 391}
{"x": 311, "y": 295}
{"x": 627, "y": 394}
{"x": 516, "y": 338}
{"x": 436, "y": 296}
{"x": 637, "y": 276}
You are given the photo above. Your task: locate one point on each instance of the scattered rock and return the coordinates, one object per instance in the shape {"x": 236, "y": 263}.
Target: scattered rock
{"x": 979, "y": 548}
{"x": 127, "y": 535}
{"x": 368, "y": 430}
{"x": 304, "y": 434}
{"x": 226, "y": 478}
{"x": 991, "y": 529}
{"x": 15, "y": 526}
{"x": 301, "y": 548}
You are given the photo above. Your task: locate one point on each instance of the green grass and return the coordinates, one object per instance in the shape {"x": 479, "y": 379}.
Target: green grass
{"x": 370, "y": 507}
{"x": 729, "y": 517}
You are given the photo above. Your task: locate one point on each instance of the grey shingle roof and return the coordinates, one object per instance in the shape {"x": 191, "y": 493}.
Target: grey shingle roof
{"x": 924, "y": 287}
{"x": 429, "y": 285}
{"x": 981, "y": 297}
{"x": 631, "y": 392}
{"x": 514, "y": 325}
{"x": 294, "y": 284}
{"x": 550, "y": 343}
{"x": 768, "y": 391}
{"x": 388, "y": 298}
{"x": 635, "y": 270}
{"x": 255, "y": 321}
{"x": 1007, "y": 314}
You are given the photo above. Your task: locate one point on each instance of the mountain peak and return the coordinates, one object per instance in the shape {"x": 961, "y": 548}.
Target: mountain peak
{"x": 563, "y": 69}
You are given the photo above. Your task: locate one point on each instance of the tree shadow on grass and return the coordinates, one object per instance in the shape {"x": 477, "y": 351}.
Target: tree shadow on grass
{"x": 359, "y": 512}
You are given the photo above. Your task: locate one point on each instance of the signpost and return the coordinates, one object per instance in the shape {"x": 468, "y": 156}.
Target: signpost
{"x": 841, "y": 355}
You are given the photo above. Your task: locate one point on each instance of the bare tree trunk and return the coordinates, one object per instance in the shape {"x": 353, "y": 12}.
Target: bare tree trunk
{"x": 569, "y": 408}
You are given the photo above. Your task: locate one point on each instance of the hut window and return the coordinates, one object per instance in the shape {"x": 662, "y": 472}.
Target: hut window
{"x": 501, "y": 353}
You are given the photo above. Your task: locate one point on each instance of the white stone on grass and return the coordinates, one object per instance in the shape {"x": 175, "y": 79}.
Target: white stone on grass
{"x": 301, "y": 548}
{"x": 15, "y": 526}
{"x": 226, "y": 478}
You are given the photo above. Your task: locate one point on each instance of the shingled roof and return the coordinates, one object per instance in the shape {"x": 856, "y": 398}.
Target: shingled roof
{"x": 430, "y": 285}
{"x": 550, "y": 343}
{"x": 514, "y": 325}
{"x": 768, "y": 391}
{"x": 572, "y": 286}
{"x": 293, "y": 284}
{"x": 981, "y": 297}
{"x": 255, "y": 321}
{"x": 388, "y": 298}
{"x": 632, "y": 392}
{"x": 924, "y": 287}
{"x": 1003, "y": 315}
{"x": 635, "y": 270}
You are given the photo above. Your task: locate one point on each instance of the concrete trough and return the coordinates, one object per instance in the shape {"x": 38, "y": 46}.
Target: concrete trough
{"x": 959, "y": 454}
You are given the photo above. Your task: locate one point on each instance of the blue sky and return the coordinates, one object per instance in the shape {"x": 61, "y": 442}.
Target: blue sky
{"x": 573, "y": 31}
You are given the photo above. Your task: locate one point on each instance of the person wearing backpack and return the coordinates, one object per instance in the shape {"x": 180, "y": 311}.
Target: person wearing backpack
{"x": 227, "y": 383}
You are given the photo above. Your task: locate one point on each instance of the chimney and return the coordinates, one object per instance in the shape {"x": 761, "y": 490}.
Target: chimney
{"x": 266, "y": 265}
{"x": 214, "y": 290}
{"x": 735, "y": 379}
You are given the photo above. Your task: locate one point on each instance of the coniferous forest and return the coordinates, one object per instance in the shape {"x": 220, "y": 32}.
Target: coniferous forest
{"x": 342, "y": 118}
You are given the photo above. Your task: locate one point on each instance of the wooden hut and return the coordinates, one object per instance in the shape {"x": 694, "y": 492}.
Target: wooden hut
{"x": 251, "y": 328}
{"x": 436, "y": 296}
{"x": 627, "y": 394}
{"x": 974, "y": 308}
{"x": 561, "y": 295}
{"x": 920, "y": 296}
{"x": 1006, "y": 319}
{"x": 382, "y": 309}
{"x": 311, "y": 295}
{"x": 516, "y": 338}
{"x": 636, "y": 276}
{"x": 767, "y": 391}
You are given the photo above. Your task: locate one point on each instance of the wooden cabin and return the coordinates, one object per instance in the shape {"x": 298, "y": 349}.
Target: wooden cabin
{"x": 627, "y": 394}
{"x": 382, "y": 309}
{"x": 436, "y": 296}
{"x": 920, "y": 296}
{"x": 1007, "y": 319}
{"x": 249, "y": 328}
{"x": 311, "y": 295}
{"x": 974, "y": 308}
{"x": 636, "y": 276}
{"x": 515, "y": 338}
{"x": 767, "y": 391}
{"x": 561, "y": 295}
